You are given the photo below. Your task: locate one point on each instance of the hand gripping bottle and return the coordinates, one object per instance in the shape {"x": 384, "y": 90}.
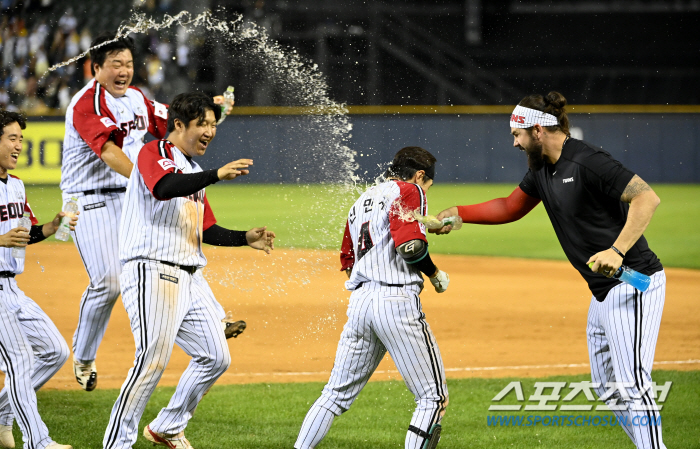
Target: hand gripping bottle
{"x": 629, "y": 276}
{"x": 228, "y": 102}
{"x": 63, "y": 231}
{"x": 26, "y": 223}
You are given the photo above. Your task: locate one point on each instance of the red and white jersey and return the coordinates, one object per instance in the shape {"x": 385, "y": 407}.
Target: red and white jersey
{"x": 166, "y": 230}
{"x": 379, "y": 221}
{"x": 93, "y": 117}
{"x": 13, "y": 204}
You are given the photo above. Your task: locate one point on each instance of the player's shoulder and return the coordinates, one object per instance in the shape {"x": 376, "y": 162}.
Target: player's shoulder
{"x": 16, "y": 178}
{"x": 408, "y": 189}
{"x": 584, "y": 153}
{"x": 87, "y": 93}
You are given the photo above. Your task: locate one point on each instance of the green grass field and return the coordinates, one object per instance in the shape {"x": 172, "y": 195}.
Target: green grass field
{"x": 313, "y": 217}
{"x": 270, "y": 415}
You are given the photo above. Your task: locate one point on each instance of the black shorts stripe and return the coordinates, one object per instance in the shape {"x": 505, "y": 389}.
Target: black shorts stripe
{"x": 434, "y": 365}
{"x": 638, "y": 373}
{"x": 140, "y": 363}
{"x": 15, "y": 393}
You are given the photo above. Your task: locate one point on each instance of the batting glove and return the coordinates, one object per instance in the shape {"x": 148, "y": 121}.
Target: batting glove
{"x": 440, "y": 281}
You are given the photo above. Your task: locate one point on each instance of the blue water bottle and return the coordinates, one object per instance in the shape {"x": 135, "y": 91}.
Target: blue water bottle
{"x": 634, "y": 278}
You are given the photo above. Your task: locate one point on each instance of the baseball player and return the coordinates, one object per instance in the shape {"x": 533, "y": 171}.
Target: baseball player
{"x": 106, "y": 123}
{"x": 31, "y": 347}
{"x": 599, "y": 210}
{"x": 384, "y": 252}
{"x": 166, "y": 219}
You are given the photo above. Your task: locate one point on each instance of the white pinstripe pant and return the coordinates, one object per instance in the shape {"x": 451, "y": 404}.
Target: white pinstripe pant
{"x": 622, "y": 333}
{"x": 97, "y": 238}
{"x": 382, "y": 318}
{"x": 163, "y": 312}
{"x": 31, "y": 352}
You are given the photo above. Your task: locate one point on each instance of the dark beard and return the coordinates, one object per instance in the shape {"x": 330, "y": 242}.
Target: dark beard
{"x": 535, "y": 159}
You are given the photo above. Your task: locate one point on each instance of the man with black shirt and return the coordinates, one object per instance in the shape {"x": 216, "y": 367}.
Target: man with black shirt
{"x": 599, "y": 210}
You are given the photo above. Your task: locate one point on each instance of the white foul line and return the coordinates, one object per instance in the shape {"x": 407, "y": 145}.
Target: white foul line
{"x": 478, "y": 368}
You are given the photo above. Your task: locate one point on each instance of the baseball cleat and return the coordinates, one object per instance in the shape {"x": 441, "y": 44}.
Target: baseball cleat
{"x": 7, "y": 440}
{"x": 85, "y": 374}
{"x": 55, "y": 445}
{"x": 171, "y": 441}
{"x": 233, "y": 330}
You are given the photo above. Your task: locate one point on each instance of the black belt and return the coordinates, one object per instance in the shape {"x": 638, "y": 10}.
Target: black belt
{"x": 111, "y": 190}
{"x": 186, "y": 268}
{"x": 383, "y": 285}
{"x": 6, "y": 274}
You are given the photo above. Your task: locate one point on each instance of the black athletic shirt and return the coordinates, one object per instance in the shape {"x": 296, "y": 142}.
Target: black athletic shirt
{"x": 581, "y": 193}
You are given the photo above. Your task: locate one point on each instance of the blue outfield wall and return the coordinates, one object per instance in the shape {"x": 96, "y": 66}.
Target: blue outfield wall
{"x": 661, "y": 148}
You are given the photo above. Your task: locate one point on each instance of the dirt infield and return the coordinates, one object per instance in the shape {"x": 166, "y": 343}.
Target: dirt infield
{"x": 500, "y": 317}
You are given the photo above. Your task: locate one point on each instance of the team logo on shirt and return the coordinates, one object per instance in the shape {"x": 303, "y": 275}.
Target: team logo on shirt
{"x": 11, "y": 210}
{"x": 139, "y": 122}
{"x": 107, "y": 122}
{"x": 166, "y": 164}
{"x": 568, "y": 180}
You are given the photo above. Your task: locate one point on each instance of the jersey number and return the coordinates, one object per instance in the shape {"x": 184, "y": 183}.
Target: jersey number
{"x": 364, "y": 242}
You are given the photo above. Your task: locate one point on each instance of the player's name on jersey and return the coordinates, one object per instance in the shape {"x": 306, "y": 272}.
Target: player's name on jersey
{"x": 40, "y": 160}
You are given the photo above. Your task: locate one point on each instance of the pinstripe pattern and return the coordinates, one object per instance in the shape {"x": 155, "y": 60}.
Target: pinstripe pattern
{"x": 162, "y": 230}
{"x": 31, "y": 352}
{"x": 81, "y": 168}
{"x": 13, "y": 198}
{"x": 97, "y": 238}
{"x": 381, "y": 263}
{"x": 163, "y": 313}
{"x": 622, "y": 333}
{"x": 381, "y": 318}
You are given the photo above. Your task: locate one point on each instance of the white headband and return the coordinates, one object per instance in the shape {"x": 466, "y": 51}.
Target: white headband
{"x": 523, "y": 117}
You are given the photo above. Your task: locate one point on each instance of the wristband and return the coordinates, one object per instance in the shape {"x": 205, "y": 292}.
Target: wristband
{"x": 617, "y": 251}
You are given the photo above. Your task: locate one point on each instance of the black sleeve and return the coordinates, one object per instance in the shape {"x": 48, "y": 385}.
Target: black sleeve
{"x": 529, "y": 185}
{"x": 218, "y": 236}
{"x": 175, "y": 185}
{"x": 426, "y": 265}
{"x": 36, "y": 234}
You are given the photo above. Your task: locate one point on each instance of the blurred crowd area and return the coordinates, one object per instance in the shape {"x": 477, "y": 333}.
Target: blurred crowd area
{"x": 34, "y": 38}
{"x": 38, "y": 34}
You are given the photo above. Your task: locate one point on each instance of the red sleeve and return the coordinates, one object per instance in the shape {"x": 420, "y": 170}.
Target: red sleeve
{"x": 157, "y": 116}
{"x": 209, "y": 219}
{"x": 95, "y": 122}
{"x": 154, "y": 162}
{"x": 347, "y": 250}
{"x": 28, "y": 209}
{"x": 499, "y": 210}
{"x": 402, "y": 226}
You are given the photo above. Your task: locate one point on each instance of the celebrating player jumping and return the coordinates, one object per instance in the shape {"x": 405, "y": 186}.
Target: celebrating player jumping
{"x": 166, "y": 219}
{"x": 385, "y": 251}
{"x": 599, "y": 210}
{"x": 106, "y": 123}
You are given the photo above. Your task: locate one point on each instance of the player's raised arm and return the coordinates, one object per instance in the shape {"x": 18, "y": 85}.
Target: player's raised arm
{"x": 496, "y": 211}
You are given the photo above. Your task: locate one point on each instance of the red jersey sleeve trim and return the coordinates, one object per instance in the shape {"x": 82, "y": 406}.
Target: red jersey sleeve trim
{"x": 209, "y": 218}
{"x": 154, "y": 162}
{"x": 499, "y": 210}
{"x": 347, "y": 250}
{"x": 94, "y": 121}
{"x": 402, "y": 226}
{"x": 157, "y": 115}
{"x": 28, "y": 208}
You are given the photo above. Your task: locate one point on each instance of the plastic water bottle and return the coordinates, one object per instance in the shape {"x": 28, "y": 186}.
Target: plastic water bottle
{"x": 455, "y": 221}
{"x": 228, "y": 102}
{"x": 26, "y": 223}
{"x": 63, "y": 231}
{"x": 634, "y": 278}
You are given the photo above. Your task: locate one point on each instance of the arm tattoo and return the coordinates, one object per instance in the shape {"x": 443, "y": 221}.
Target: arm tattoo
{"x": 634, "y": 188}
